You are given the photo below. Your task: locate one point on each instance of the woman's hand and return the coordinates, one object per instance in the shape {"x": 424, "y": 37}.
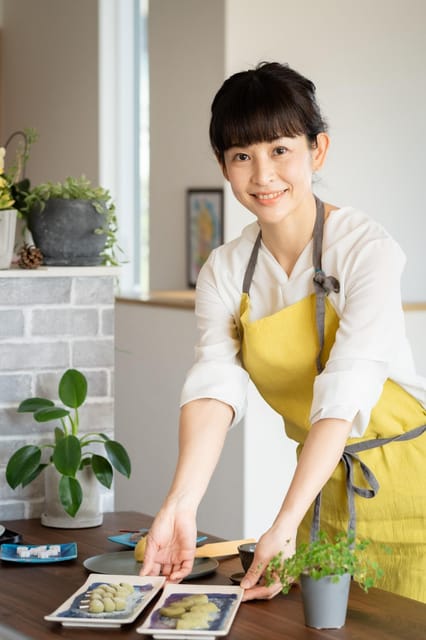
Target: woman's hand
{"x": 271, "y": 543}
{"x": 170, "y": 546}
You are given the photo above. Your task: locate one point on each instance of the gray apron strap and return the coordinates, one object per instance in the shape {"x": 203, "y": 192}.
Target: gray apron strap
{"x": 323, "y": 284}
{"x": 248, "y": 276}
{"x": 349, "y": 456}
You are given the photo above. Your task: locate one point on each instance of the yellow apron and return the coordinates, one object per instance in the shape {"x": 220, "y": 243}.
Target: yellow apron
{"x": 281, "y": 353}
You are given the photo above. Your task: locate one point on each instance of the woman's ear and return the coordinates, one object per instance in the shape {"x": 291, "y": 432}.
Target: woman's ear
{"x": 319, "y": 152}
{"x": 222, "y": 167}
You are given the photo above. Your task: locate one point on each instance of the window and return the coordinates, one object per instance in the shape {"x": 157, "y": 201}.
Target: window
{"x": 124, "y": 130}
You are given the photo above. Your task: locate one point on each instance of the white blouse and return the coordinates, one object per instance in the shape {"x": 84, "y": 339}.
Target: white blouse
{"x": 371, "y": 343}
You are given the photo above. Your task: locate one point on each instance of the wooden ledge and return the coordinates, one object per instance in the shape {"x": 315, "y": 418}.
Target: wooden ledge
{"x": 185, "y": 299}
{"x": 173, "y": 299}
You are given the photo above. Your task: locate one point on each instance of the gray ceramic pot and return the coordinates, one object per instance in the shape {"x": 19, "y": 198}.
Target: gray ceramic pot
{"x": 325, "y": 602}
{"x": 65, "y": 232}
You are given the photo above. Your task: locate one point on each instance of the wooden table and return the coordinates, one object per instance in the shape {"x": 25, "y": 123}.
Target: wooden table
{"x": 28, "y": 592}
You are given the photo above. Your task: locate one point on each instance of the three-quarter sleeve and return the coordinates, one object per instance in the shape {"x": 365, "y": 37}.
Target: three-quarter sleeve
{"x": 217, "y": 371}
{"x": 370, "y": 330}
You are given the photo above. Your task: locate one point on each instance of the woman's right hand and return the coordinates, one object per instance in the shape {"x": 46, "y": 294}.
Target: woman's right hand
{"x": 170, "y": 546}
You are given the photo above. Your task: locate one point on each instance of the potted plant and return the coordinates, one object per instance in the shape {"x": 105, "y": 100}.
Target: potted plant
{"x": 69, "y": 456}
{"x": 72, "y": 222}
{"x": 325, "y": 567}
{"x": 13, "y": 184}
{"x": 7, "y": 217}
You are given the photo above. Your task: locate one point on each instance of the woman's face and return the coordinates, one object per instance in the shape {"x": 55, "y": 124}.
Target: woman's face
{"x": 274, "y": 179}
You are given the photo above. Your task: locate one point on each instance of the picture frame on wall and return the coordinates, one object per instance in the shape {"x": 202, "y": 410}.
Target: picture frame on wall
{"x": 204, "y": 228}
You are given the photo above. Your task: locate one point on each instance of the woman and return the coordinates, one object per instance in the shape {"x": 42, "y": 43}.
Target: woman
{"x": 307, "y": 303}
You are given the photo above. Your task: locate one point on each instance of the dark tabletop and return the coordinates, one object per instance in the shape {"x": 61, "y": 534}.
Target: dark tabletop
{"x": 29, "y": 592}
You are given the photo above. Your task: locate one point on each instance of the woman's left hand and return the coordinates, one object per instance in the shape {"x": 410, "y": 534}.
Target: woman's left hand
{"x": 271, "y": 543}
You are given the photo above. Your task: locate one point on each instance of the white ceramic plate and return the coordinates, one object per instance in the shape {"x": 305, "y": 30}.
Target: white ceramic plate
{"x": 10, "y": 552}
{"x": 227, "y": 599}
{"x": 124, "y": 563}
{"x": 70, "y": 613}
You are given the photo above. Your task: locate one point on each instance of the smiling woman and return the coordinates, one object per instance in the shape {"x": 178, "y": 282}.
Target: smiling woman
{"x": 305, "y": 304}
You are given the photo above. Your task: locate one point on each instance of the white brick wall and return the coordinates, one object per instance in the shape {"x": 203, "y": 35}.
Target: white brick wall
{"x": 50, "y": 320}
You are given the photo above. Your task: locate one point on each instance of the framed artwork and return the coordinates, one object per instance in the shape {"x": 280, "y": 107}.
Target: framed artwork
{"x": 204, "y": 228}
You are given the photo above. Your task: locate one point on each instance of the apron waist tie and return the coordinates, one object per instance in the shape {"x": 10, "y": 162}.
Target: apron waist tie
{"x": 349, "y": 455}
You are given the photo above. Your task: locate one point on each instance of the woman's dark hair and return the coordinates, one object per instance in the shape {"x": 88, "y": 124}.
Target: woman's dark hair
{"x": 262, "y": 104}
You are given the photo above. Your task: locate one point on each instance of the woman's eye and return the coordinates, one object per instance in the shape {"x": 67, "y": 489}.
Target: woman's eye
{"x": 241, "y": 156}
{"x": 280, "y": 150}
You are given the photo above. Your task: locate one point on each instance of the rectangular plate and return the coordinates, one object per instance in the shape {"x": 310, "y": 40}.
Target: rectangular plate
{"x": 69, "y": 614}
{"x": 227, "y": 598}
{"x": 9, "y": 552}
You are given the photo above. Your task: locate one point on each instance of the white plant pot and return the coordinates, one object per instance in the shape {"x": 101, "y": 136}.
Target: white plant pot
{"x": 89, "y": 514}
{"x": 7, "y": 236}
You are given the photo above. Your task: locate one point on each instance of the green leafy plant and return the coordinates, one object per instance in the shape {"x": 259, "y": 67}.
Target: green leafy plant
{"x": 326, "y": 557}
{"x": 79, "y": 189}
{"x": 70, "y": 451}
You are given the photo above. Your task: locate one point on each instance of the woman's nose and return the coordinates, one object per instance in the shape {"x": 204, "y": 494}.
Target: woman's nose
{"x": 263, "y": 171}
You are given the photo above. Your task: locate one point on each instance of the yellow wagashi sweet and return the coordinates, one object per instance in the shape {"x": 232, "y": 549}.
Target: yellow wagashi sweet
{"x": 140, "y": 549}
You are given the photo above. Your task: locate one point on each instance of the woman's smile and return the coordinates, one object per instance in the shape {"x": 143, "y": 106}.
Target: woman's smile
{"x": 269, "y": 198}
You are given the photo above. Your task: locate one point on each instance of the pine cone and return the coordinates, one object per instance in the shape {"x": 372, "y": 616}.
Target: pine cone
{"x": 30, "y": 257}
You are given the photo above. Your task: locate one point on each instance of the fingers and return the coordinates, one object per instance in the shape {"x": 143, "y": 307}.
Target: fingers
{"x": 254, "y": 584}
{"x": 180, "y": 572}
{"x": 253, "y": 574}
{"x": 261, "y": 592}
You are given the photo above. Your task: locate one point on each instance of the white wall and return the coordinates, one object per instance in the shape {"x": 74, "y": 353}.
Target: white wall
{"x": 154, "y": 349}
{"x": 367, "y": 60}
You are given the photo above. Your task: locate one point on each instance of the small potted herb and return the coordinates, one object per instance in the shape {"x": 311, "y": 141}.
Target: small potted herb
{"x": 69, "y": 456}
{"x": 325, "y": 567}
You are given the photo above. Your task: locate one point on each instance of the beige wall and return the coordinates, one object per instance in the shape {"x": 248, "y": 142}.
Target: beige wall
{"x": 50, "y": 82}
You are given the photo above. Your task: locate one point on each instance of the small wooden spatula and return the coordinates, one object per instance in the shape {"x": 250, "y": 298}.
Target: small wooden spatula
{"x": 220, "y": 549}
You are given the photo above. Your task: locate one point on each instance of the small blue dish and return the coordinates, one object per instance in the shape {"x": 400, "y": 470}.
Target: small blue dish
{"x": 17, "y": 552}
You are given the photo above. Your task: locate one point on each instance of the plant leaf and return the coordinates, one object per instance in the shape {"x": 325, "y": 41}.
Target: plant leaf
{"x": 102, "y": 470}
{"x": 59, "y": 434}
{"x": 119, "y": 457}
{"x": 32, "y": 404}
{"x": 70, "y": 494}
{"x": 22, "y": 465}
{"x": 50, "y": 413}
{"x": 67, "y": 455}
{"x": 34, "y": 475}
{"x": 73, "y": 388}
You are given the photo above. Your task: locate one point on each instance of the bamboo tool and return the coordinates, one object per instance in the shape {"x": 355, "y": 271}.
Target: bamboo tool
{"x": 219, "y": 549}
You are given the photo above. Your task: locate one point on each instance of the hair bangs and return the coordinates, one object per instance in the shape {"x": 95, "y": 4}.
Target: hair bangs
{"x": 256, "y": 116}
{"x": 261, "y": 105}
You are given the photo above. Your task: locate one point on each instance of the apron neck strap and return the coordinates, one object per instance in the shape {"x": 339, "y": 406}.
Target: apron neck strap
{"x": 317, "y": 235}
{"x": 317, "y": 247}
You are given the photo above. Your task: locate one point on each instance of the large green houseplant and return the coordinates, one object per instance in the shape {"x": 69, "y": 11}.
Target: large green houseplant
{"x": 70, "y": 451}
{"x": 325, "y": 567}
